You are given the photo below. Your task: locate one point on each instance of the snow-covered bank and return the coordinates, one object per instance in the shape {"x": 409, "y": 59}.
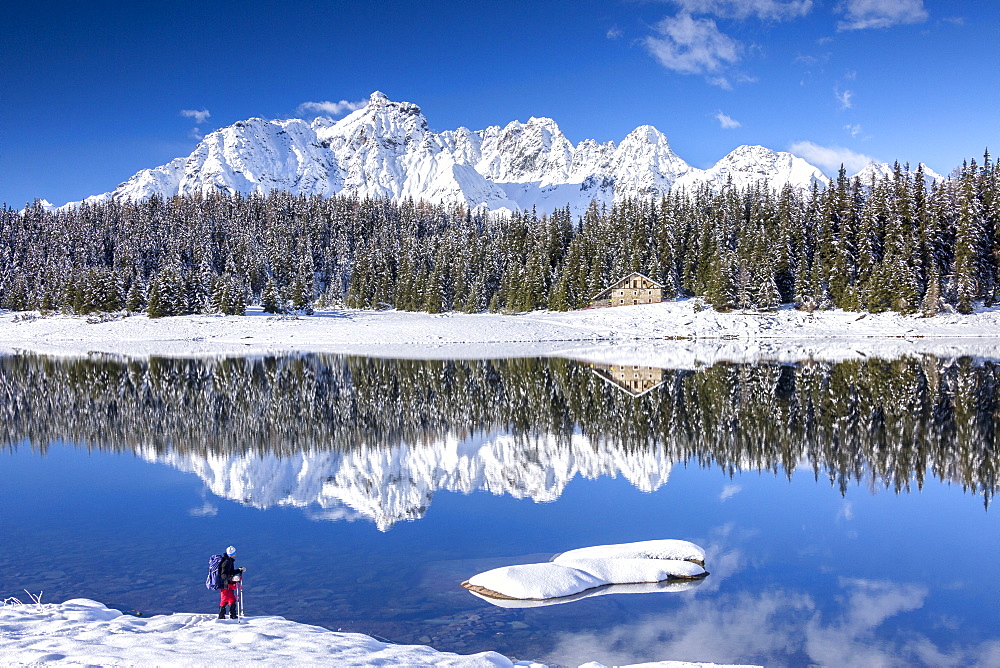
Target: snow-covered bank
{"x": 82, "y": 632}
{"x": 677, "y": 333}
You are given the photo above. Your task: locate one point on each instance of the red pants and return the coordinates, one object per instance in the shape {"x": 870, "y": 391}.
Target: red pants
{"x": 228, "y": 596}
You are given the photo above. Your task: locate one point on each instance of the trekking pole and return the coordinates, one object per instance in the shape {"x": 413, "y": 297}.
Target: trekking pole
{"x": 240, "y": 613}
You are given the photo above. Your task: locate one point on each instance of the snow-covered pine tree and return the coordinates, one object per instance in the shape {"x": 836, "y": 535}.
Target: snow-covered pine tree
{"x": 135, "y": 300}
{"x": 968, "y": 242}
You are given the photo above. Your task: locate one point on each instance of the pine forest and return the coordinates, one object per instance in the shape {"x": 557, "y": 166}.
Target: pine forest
{"x": 898, "y": 242}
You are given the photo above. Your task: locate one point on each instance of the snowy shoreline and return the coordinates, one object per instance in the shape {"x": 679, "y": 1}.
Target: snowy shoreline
{"x": 680, "y": 334}
{"x": 82, "y": 632}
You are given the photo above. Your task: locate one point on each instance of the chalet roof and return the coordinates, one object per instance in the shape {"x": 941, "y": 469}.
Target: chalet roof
{"x": 612, "y": 285}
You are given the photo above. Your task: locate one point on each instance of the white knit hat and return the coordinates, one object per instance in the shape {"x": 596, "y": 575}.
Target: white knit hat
{"x": 230, "y": 550}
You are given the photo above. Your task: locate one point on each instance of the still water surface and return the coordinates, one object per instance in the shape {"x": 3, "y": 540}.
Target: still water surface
{"x": 844, "y": 507}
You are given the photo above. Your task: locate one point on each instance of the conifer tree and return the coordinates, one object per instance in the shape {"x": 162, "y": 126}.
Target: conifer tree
{"x": 968, "y": 241}
{"x": 135, "y": 301}
{"x": 271, "y": 300}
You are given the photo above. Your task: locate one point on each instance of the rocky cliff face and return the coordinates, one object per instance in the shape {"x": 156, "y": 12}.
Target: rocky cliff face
{"x": 386, "y": 150}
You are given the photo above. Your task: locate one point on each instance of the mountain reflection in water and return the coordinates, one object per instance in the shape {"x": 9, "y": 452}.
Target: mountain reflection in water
{"x": 376, "y": 438}
{"x": 800, "y": 575}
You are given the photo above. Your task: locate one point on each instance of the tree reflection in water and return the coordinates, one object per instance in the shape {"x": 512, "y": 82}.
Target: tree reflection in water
{"x": 889, "y": 423}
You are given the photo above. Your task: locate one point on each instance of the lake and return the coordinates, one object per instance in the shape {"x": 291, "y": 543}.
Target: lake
{"x": 845, "y": 507}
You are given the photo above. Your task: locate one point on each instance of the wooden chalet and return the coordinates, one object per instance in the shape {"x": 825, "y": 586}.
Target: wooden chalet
{"x": 630, "y": 290}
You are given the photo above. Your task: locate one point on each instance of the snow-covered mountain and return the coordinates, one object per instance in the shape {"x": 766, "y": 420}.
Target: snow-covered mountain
{"x": 386, "y": 149}
{"x": 391, "y": 484}
{"x": 883, "y": 170}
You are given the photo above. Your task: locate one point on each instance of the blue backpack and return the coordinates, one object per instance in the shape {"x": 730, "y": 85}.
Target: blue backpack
{"x": 214, "y": 580}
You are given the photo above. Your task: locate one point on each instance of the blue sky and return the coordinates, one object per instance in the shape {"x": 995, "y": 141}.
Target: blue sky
{"x": 93, "y": 92}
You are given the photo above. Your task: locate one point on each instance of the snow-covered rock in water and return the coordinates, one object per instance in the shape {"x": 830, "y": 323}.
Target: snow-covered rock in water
{"x": 667, "y": 548}
{"x": 633, "y": 571}
{"x": 84, "y": 632}
{"x": 537, "y": 581}
{"x": 386, "y": 149}
{"x": 587, "y": 568}
{"x": 663, "y": 587}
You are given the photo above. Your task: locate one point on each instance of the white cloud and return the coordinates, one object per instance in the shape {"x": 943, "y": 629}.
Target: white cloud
{"x": 335, "y": 514}
{"x": 846, "y": 511}
{"x": 207, "y": 509}
{"x": 766, "y": 9}
{"x": 844, "y": 98}
{"x": 865, "y": 14}
{"x": 693, "y": 46}
{"x": 328, "y": 108}
{"x": 727, "y": 122}
{"x": 779, "y": 625}
{"x": 830, "y": 158}
{"x": 729, "y": 491}
{"x": 196, "y": 134}
{"x": 199, "y": 115}
{"x": 853, "y": 129}
{"x": 614, "y": 33}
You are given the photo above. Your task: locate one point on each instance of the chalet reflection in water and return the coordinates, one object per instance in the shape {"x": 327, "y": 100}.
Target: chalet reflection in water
{"x": 634, "y": 380}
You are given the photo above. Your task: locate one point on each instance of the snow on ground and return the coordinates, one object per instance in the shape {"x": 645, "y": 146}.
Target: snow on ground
{"x": 84, "y": 632}
{"x": 81, "y": 632}
{"x": 679, "y": 334}
{"x": 587, "y": 568}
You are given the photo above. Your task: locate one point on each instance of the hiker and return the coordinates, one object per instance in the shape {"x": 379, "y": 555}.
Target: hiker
{"x": 227, "y": 595}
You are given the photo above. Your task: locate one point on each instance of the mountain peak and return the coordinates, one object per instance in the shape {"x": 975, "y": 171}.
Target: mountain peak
{"x": 752, "y": 149}
{"x": 386, "y": 149}
{"x": 646, "y": 134}
{"x": 543, "y": 121}
{"x": 379, "y": 102}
